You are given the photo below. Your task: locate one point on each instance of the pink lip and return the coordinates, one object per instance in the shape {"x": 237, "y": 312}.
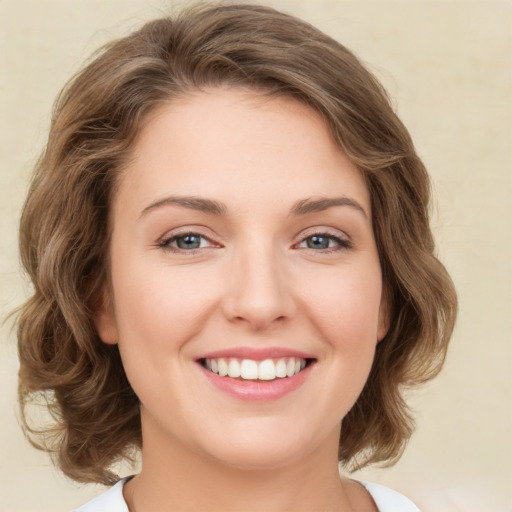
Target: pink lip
{"x": 256, "y": 391}
{"x": 256, "y": 353}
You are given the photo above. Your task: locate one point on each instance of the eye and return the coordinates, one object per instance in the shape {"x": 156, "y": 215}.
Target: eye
{"x": 185, "y": 242}
{"x": 324, "y": 242}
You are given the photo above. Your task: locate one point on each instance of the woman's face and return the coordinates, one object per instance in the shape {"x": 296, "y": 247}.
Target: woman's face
{"x": 242, "y": 242}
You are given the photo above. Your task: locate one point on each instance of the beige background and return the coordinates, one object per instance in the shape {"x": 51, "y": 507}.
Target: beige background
{"x": 448, "y": 66}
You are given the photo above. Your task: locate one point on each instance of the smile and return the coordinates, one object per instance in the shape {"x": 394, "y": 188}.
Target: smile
{"x": 250, "y": 369}
{"x": 257, "y": 374}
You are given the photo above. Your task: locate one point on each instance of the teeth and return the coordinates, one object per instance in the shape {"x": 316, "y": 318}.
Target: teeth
{"x": 233, "y": 368}
{"x": 248, "y": 369}
{"x": 281, "y": 368}
{"x": 290, "y": 367}
{"x": 222, "y": 366}
{"x": 267, "y": 370}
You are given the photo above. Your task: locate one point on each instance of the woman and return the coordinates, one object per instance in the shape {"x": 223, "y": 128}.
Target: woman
{"x": 235, "y": 272}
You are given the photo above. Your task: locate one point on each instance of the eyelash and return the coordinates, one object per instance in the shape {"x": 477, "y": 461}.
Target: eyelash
{"x": 342, "y": 244}
{"x": 166, "y": 243}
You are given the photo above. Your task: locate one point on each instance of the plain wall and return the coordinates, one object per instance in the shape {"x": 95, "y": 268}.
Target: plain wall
{"x": 447, "y": 65}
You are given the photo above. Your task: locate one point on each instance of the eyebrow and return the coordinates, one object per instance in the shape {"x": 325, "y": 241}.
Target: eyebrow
{"x": 192, "y": 202}
{"x": 211, "y": 207}
{"x": 311, "y": 205}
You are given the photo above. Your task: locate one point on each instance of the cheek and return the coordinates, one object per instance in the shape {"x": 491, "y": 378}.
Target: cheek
{"x": 159, "y": 311}
{"x": 158, "y": 314}
{"x": 345, "y": 307}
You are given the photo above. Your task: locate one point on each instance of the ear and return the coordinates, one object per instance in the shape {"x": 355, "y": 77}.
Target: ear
{"x": 385, "y": 310}
{"x": 105, "y": 319}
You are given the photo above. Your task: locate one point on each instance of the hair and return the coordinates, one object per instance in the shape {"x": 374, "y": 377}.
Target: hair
{"x": 64, "y": 231}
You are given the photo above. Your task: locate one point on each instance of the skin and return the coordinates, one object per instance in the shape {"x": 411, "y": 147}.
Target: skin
{"x": 254, "y": 281}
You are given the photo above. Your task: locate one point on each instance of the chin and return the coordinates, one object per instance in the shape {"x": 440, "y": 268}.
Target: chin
{"x": 259, "y": 450}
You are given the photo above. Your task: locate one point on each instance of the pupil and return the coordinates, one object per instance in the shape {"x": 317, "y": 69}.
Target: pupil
{"x": 318, "y": 242}
{"x": 189, "y": 242}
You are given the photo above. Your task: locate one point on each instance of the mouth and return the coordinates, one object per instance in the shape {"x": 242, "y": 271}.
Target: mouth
{"x": 256, "y": 373}
{"x": 265, "y": 370}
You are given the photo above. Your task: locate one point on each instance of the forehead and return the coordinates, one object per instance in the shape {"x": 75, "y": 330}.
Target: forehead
{"x": 240, "y": 147}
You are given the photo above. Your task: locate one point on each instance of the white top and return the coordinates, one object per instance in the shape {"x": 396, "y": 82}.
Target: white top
{"x": 386, "y": 499}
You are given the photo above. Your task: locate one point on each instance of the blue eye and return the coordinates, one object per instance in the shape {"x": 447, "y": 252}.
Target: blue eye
{"x": 185, "y": 242}
{"x": 325, "y": 242}
{"x": 318, "y": 242}
{"x": 188, "y": 242}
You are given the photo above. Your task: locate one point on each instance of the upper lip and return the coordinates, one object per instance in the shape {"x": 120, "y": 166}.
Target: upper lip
{"x": 256, "y": 353}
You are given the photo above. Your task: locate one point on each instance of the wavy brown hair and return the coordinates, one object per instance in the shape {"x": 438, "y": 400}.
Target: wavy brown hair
{"x": 64, "y": 233}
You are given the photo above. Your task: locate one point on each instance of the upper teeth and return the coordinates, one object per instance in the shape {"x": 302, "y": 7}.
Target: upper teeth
{"x": 268, "y": 369}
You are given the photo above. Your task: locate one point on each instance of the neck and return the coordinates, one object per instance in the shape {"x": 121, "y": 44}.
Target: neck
{"x": 175, "y": 478}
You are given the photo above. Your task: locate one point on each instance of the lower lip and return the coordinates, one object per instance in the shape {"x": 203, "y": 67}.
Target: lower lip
{"x": 257, "y": 391}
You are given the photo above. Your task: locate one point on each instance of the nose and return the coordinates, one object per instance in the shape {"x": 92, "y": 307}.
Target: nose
{"x": 258, "y": 291}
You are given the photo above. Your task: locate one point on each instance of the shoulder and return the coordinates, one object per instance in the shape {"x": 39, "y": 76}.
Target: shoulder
{"x": 110, "y": 501}
{"x": 388, "y": 500}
